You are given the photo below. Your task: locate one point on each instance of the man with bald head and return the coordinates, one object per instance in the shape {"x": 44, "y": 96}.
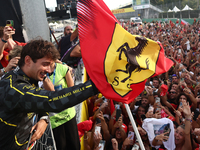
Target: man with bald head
{"x": 68, "y": 30}
{"x": 68, "y": 40}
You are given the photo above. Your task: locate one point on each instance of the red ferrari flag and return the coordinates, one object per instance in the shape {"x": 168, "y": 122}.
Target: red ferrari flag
{"x": 117, "y": 62}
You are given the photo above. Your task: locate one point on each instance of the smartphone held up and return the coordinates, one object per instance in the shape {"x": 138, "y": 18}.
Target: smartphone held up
{"x": 118, "y": 111}
{"x": 10, "y": 23}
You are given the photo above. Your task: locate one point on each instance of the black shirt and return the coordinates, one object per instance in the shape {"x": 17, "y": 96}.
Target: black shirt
{"x": 20, "y": 97}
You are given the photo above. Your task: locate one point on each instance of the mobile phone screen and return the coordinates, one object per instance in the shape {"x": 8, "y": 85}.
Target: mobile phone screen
{"x": 97, "y": 128}
{"x": 130, "y": 133}
{"x": 118, "y": 114}
{"x": 102, "y": 145}
{"x": 143, "y": 117}
{"x": 196, "y": 114}
{"x": 98, "y": 121}
{"x": 10, "y": 23}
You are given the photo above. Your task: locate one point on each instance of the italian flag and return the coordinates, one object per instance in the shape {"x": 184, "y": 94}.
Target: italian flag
{"x": 183, "y": 22}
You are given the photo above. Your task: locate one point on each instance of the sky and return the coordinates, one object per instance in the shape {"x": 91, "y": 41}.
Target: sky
{"x": 112, "y": 4}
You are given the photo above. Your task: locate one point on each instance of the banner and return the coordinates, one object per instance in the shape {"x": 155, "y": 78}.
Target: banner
{"x": 117, "y": 62}
{"x": 125, "y": 10}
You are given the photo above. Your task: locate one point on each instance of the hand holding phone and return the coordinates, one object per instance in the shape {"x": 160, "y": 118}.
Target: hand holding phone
{"x": 143, "y": 117}
{"x": 182, "y": 79}
{"x": 130, "y": 133}
{"x": 157, "y": 100}
{"x": 135, "y": 147}
{"x": 102, "y": 144}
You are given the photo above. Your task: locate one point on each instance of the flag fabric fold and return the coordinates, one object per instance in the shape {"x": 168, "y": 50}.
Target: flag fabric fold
{"x": 183, "y": 22}
{"x": 117, "y": 62}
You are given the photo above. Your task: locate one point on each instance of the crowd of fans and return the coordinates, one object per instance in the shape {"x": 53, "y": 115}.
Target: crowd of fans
{"x": 172, "y": 97}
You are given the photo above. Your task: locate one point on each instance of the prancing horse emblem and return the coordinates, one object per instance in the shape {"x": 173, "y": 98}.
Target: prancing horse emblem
{"x": 131, "y": 54}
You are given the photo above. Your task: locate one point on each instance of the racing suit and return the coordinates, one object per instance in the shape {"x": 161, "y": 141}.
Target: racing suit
{"x": 20, "y": 98}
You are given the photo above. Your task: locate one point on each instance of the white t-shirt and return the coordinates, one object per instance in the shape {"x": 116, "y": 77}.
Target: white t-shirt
{"x": 155, "y": 127}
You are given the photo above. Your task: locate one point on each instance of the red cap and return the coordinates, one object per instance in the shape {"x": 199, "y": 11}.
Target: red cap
{"x": 84, "y": 126}
{"x": 124, "y": 127}
{"x": 164, "y": 89}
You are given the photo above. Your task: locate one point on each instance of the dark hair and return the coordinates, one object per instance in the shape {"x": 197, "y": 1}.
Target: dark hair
{"x": 155, "y": 78}
{"x": 182, "y": 126}
{"x": 145, "y": 108}
{"x": 38, "y": 49}
{"x": 187, "y": 98}
{"x": 170, "y": 87}
{"x": 176, "y": 124}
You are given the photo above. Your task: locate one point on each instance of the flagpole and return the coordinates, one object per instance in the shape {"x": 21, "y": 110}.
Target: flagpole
{"x": 134, "y": 126}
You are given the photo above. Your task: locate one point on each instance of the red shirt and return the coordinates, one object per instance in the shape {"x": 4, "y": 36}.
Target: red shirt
{"x": 4, "y": 61}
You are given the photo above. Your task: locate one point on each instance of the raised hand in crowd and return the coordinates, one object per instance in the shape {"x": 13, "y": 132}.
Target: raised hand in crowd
{"x": 149, "y": 113}
{"x": 103, "y": 106}
{"x": 189, "y": 93}
{"x": 142, "y": 131}
{"x": 187, "y": 110}
{"x": 8, "y": 32}
{"x": 178, "y": 115}
{"x": 132, "y": 104}
{"x": 97, "y": 138}
{"x": 111, "y": 121}
{"x": 149, "y": 90}
{"x": 127, "y": 142}
{"x": 114, "y": 144}
{"x": 104, "y": 126}
{"x": 118, "y": 123}
{"x": 159, "y": 139}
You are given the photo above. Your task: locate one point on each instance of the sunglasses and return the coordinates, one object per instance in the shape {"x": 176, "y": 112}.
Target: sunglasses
{"x": 172, "y": 92}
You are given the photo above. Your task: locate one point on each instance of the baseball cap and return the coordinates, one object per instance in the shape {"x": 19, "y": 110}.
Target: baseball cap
{"x": 124, "y": 127}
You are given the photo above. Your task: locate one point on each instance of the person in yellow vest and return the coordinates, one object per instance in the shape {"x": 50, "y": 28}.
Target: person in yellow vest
{"x": 64, "y": 123}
